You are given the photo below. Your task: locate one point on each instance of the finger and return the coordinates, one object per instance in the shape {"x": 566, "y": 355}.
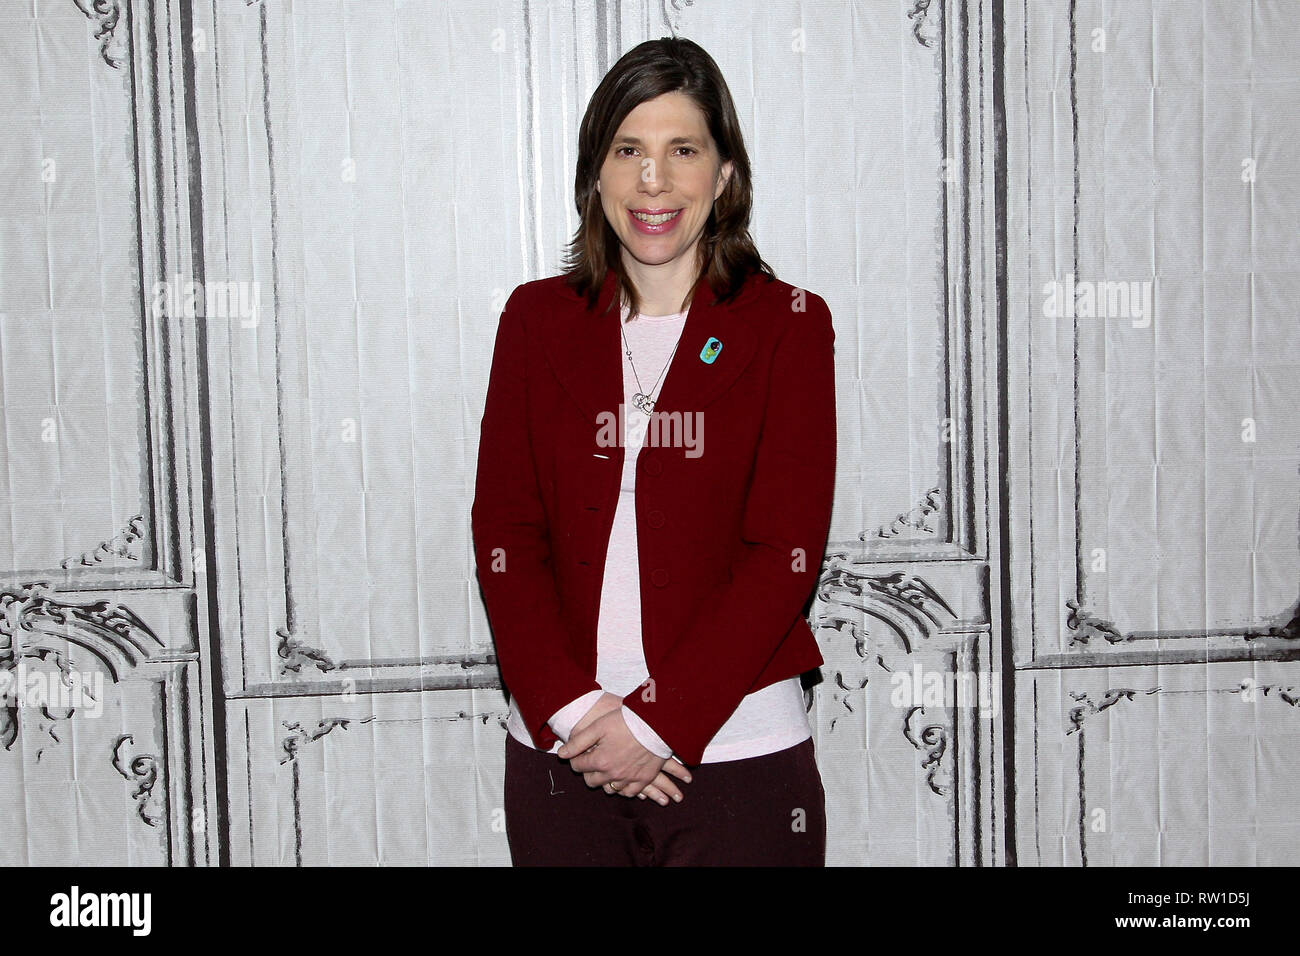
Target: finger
{"x": 669, "y": 787}
{"x": 664, "y": 784}
{"x": 579, "y": 742}
{"x": 622, "y": 789}
{"x": 655, "y": 794}
{"x": 591, "y": 761}
{"x": 585, "y": 763}
{"x": 675, "y": 768}
{"x": 631, "y": 788}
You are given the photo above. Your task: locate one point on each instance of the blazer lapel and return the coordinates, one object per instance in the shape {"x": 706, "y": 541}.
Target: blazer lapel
{"x": 585, "y": 348}
{"x": 691, "y": 383}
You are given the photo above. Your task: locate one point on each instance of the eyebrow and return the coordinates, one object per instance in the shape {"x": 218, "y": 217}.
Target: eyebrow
{"x": 672, "y": 142}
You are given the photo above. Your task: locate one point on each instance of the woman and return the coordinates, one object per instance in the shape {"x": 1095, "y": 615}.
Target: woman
{"x": 645, "y": 575}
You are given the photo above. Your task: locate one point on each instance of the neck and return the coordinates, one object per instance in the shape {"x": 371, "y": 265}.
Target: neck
{"x": 662, "y": 287}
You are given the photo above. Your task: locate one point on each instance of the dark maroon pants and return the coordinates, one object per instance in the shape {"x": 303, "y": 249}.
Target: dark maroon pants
{"x": 758, "y": 811}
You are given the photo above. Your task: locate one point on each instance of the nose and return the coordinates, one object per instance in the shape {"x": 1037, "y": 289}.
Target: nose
{"x": 653, "y": 181}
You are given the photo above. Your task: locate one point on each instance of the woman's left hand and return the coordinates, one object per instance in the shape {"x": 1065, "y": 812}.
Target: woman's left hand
{"x": 606, "y": 752}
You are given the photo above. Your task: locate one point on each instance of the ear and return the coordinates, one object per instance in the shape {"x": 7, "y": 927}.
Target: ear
{"x": 727, "y": 169}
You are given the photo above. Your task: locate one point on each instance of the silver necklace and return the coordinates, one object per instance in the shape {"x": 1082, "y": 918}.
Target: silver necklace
{"x": 641, "y": 400}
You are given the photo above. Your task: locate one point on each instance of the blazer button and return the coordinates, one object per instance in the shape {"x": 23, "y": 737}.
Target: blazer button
{"x": 659, "y": 577}
{"x": 656, "y": 519}
{"x": 653, "y": 466}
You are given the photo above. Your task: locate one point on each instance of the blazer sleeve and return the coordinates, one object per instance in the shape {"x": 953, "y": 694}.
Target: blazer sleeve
{"x": 512, "y": 545}
{"x": 714, "y": 663}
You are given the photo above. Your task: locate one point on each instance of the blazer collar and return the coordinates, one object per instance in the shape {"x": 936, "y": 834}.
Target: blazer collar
{"x": 585, "y": 349}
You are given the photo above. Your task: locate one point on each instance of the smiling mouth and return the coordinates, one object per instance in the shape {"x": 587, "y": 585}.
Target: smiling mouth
{"x": 656, "y": 219}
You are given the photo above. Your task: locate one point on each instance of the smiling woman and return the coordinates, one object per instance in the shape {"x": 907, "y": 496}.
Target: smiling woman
{"x": 647, "y": 599}
{"x": 659, "y": 184}
{"x": 661, "y": 138}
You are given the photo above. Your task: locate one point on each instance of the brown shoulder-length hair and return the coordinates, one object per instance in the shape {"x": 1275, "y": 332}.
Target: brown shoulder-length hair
{"x": 727, "y": 254}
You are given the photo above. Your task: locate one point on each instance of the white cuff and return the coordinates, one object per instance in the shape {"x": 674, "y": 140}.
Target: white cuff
{"x": 563, "y": 720}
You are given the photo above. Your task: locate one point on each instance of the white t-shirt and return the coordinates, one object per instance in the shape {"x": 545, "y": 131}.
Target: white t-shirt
{"x": 770, "y": 719}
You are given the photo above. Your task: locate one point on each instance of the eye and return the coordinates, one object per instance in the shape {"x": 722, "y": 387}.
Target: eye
{"x": 688, "y": 150}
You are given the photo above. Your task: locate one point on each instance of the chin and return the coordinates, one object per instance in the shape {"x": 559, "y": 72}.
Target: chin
{"x": 654, "y": 260}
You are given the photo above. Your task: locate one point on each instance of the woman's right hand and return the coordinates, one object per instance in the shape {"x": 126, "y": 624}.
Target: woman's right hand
{"x": 662, "y": 789}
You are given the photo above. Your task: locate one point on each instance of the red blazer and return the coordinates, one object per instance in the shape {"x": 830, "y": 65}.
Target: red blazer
{"x": 730, "y": 540}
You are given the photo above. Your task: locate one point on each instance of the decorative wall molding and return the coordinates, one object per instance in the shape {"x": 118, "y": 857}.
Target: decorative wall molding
{"x": 142, "y": 39}
{"x": 843, "y": 698}
{"x": 1071, "y": 451}
{"x": 920, "y": 15}
{"x": 127, "y": 544}
{"x": 295, "y": 654}
{"x": 920, "y": 622}
{"x": 1290, "y": 631}
{"x": 1287, "y": 695}
{"x": 112, "y": 633}
{"x": 47, "y": 719}
{"x": 1083, "y": 625}
{"x": 933, "y": 742}
{"x": 142, "y": 770}
{"x": 291, "y": 744}
{"x": 1087, "y": 706}
{"x": 108, "y": 14}
{"x": 921, "y": 518}
{"x": 904, "y": 602}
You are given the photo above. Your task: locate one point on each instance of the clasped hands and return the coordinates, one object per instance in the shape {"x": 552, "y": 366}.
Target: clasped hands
{"x": 605, "y": 752}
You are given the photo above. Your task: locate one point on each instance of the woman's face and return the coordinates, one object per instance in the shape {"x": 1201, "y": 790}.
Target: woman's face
{"x": 660, "y": 178}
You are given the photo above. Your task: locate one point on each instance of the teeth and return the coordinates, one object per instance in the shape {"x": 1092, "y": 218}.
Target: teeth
{"x": 655, "y": 220}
